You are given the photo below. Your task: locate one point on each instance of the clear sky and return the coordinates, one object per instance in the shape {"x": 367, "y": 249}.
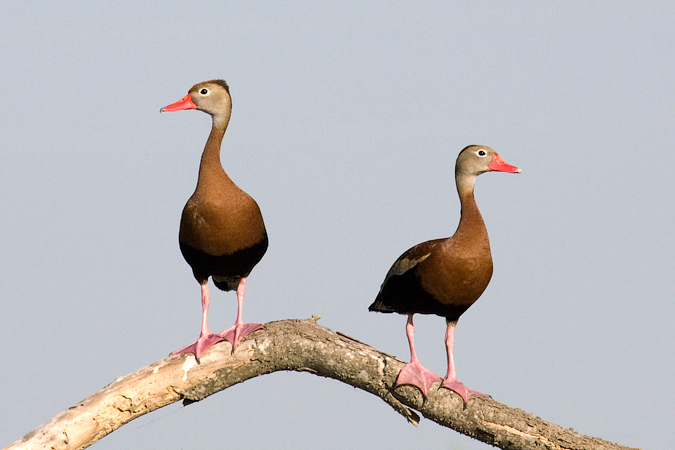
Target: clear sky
{"x": 347, "y": 119}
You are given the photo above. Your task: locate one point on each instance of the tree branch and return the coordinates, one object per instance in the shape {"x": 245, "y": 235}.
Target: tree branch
{"x": 298, "y": 345}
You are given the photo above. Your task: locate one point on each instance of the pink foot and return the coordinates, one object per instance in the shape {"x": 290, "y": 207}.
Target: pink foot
{"x": 235, "y": 334}
{"x": 463, "y": 391}
{"x": 200, "y": 345}
{"x": 414, "y": 374}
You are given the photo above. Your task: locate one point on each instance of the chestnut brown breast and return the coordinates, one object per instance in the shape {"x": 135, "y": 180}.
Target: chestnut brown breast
{"x": 446, "y": 276}
{"x": 222, "y": 232}
{"x": 443, "y": 276}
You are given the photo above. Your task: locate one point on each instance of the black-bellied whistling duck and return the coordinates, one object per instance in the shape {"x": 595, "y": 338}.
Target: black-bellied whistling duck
{"x": 444, "y": 276}
{"x": 222, "y": 233}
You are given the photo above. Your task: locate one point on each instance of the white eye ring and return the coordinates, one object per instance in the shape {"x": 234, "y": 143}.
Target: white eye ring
{"x": 481, "y": 153}
{"x": 204, "y": 91}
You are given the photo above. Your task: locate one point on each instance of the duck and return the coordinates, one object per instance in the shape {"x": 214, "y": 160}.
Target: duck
{"x": 222, "y": 234}
{"x": 444, "y": 276}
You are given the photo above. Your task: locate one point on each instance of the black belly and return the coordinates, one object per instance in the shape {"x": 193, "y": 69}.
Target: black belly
{"x": 404, "y": 294}
{"x": 229, "y": 269}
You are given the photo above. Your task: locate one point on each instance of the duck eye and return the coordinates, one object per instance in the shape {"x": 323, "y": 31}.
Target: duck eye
{"x": 482, "y": 152}
{"x": 204, "y": 91}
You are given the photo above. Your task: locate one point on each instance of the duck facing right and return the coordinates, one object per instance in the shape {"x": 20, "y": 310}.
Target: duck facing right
{"x": 444, "y": 276}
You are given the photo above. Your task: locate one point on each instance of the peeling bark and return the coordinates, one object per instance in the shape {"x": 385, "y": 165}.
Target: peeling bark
{"x": 303, "y": 346}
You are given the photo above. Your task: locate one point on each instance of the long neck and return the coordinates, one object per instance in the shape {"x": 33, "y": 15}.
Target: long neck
{"x": 471, "y": 225}
{"x": 210, "y": 169}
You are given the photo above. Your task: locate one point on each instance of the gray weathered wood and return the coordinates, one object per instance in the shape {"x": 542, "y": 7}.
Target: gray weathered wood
{"x": 297, "y": 345}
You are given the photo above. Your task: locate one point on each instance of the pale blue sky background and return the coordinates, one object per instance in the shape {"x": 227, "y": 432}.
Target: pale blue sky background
{"x": 347, "y": 120}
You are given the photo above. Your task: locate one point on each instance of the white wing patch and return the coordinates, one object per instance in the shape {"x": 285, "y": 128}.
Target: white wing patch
{"x": 404, "y": 265}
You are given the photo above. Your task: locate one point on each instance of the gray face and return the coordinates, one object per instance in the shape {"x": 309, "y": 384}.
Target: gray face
{"x": 474, "y": 160}
{"x": 213, "y": 98}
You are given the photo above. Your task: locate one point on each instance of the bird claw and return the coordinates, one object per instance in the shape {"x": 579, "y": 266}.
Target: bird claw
{"x": 459, "y": 388}
{"x": 235, "y": 334}
{"x": 199, "y": 346}
{"x": 416, "y": 375}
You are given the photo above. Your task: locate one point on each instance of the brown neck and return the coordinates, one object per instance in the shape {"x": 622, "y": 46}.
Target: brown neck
{"x": 210, "y": 169}
{"x": 471, "y": 225}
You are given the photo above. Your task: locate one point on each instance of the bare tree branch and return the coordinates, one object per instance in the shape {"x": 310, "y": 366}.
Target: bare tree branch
{"x": 298, "y": 345}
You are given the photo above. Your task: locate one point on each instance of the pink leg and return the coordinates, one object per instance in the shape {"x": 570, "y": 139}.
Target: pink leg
{"x": 234, "y": 334}
{"x": 414, "y": 373}
{"x": 206, "y": 338}
{"x": 450, "y": 380}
